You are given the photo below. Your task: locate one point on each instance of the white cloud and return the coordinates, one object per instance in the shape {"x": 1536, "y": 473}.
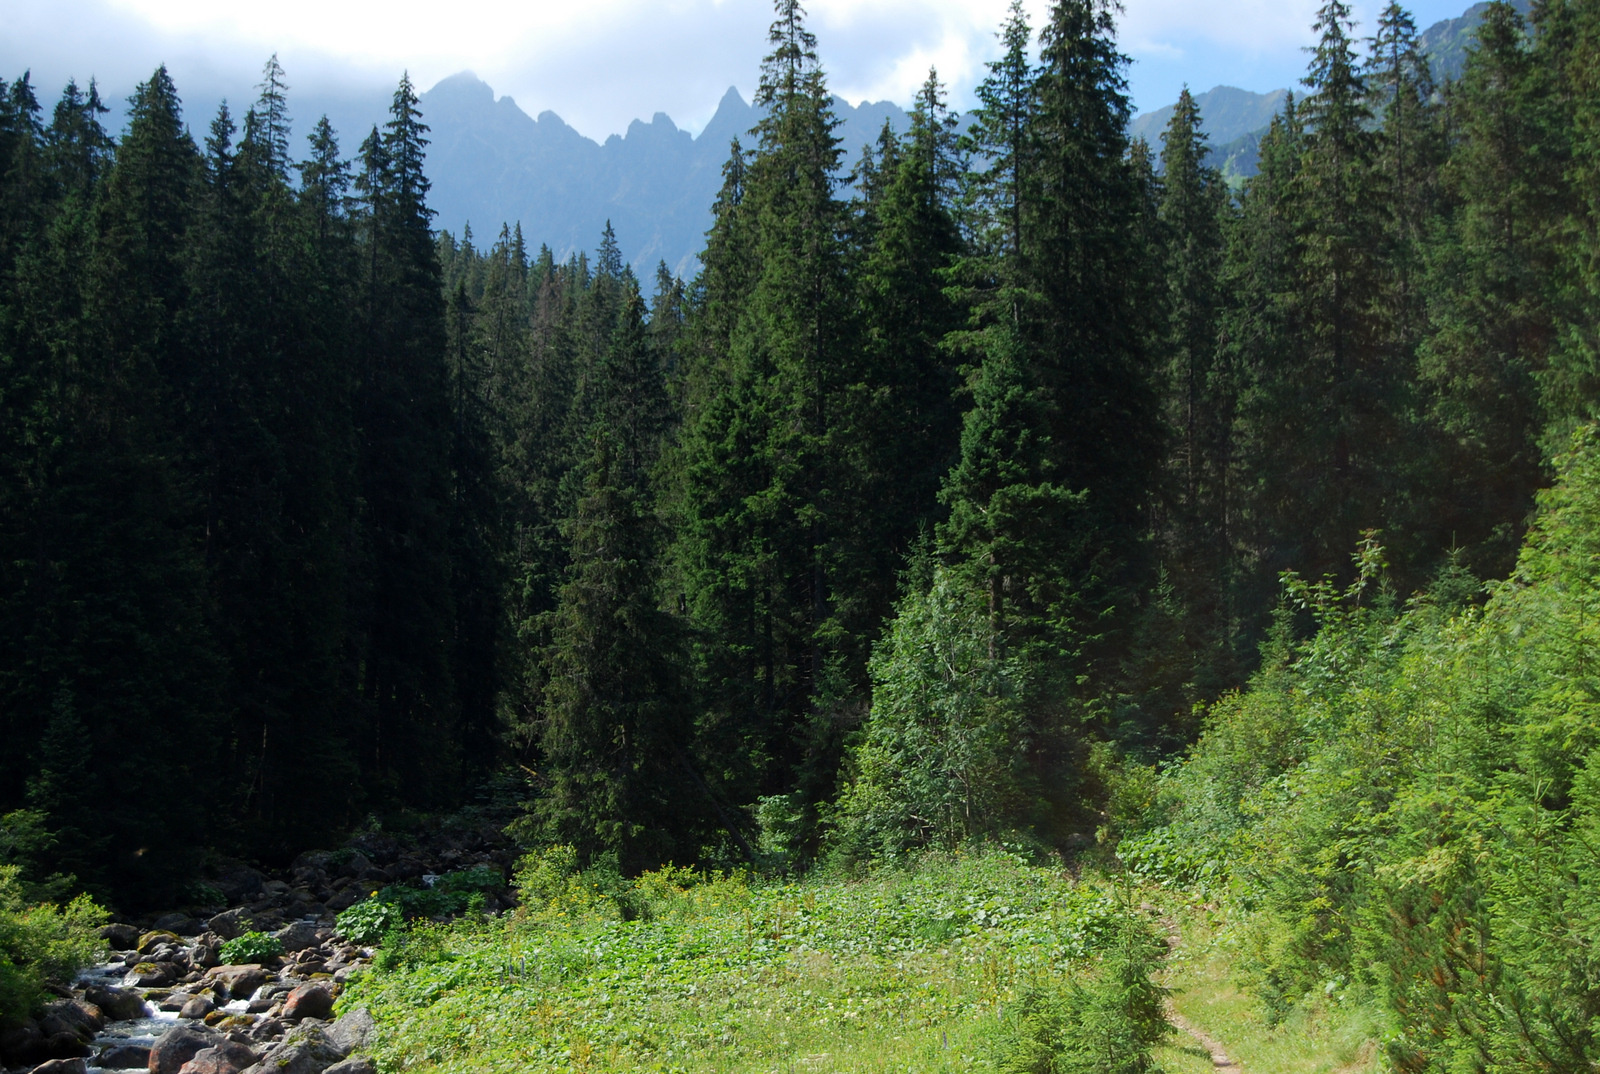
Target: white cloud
{"x": 602, "y": 63}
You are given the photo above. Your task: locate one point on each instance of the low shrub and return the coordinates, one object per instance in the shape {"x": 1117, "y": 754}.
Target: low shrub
{"x": 40, "y": 944}
{"x": 251, "y": 947}
{"x": 368, "y": 920}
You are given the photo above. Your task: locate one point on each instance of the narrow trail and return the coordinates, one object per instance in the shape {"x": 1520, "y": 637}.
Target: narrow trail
{"x": 1220, "y": 1059}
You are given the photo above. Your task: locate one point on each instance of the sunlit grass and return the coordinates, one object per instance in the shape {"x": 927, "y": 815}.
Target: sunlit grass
{"x": 1332, "y": 1038}
{"x": 902, "y": 972}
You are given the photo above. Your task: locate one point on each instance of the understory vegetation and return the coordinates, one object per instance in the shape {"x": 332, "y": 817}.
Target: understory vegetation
{"x": 967, "y": 960}
{"x": 1403, "y": 809}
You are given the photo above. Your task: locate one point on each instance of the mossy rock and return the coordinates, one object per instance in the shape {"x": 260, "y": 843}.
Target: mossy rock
{"x": 218, "y": 1016}
{"x": 234, "y": 1021}
{"x": 148, "y": 941}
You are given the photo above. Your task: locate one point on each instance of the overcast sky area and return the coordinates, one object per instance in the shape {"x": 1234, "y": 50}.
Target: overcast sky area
{"x": 601, "y": 63}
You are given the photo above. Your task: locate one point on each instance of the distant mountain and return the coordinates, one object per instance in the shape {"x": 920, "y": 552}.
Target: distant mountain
{"x": 1236, "y": 119}
{"x": 1447, "y": 42}
{"x": 1226, "y": 111}
{"x": 492, "y": 164}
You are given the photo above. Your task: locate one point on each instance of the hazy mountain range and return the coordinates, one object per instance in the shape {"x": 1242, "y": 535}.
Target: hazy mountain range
{"x": 492, "y": 164}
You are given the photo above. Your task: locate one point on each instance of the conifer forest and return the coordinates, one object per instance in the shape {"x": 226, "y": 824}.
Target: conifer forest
{"x": 1004, "y": 482}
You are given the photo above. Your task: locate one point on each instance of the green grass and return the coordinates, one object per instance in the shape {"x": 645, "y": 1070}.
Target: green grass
{"x": 1327, "y": 1038}
{"x": 907, "y": 971}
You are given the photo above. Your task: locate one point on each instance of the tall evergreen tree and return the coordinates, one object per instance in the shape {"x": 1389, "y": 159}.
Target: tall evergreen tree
{"x": 402, "y": 408}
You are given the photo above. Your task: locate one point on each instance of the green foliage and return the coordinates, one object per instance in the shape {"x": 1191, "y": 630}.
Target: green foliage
{"x": 41, "y": 944}
{"x": 904, "y": 965}
{"x": 1405, "y": 779}
{"x": 943, "y": 757}
{"x": 1110, "y": 1020}
{"x": 251, "y": 947}
{"x": 368, "y": 920}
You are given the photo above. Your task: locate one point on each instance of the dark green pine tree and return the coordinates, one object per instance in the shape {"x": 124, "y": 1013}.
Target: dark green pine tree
{"x": 909, "y": 419}
{"x": 1489, "y": 271}
{"x": 117, "y": 593}
{"x": 22, "y": 172}
{"x": 1198, "y": 401}
{"x": 1573, "y": 52}
{"x": 1351, "y": 397}
{"x": 769, "y": 526}
{"x": 1077, "y": 342}
{"x": 616, "y": 721}
{"x": 1264, "y": 343}
{"x": 404, "y": 617}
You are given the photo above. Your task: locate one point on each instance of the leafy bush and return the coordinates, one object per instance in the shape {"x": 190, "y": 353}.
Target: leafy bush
{"x": 251, "y": 947}
{"x": 450, "y": 896}
{"x": 368, "y": 920}
{"x": 40, "y": 944}
{"x": 1107, "y": 1024}
{"x": 943, "y": 754}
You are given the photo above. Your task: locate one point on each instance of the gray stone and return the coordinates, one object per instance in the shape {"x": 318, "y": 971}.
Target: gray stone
{"x": 307, "y": 1055}
{"x": 173, "y": 1002}
{"x": 352, "y": 1031}
{"x": 117, "y": 1003}
{"x": 62, "y": 1066}
{"x": 297, "y": 936}
{"x": 224, "y": 1057}
{"x": 124, "y": 1057}
{"x": 73, "y": 1016}
{"x": 120, "y": 937}
{"x": 240, "y": 980}
{"x": 151, "y": 975}
{"x": 198, "y": 1007}
{"x": 182, "y": 924}
{"x": 178, "y": 1045}
{"x": 239, "y": 883}
{"x": 231, "y": 923}
{"x": 356, "y": 1064}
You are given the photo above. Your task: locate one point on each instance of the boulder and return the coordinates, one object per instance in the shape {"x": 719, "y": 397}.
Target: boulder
{"x": 120, "y": 937}
{"x": 225, "y": 1057}
{"x": 231, "y": 923}
{"x": 173, "y": 1002}
{"x": 63, "y": 1046}
{"x": 124, "y": 1057}
{"x": 117, "y": 1003}
{"x": 21, "y": 1046}
{"x": 62, "y": 1066}
{"x": 198, "y": 1007}
{"x": 351, "y": 1031}
{"x": 182, "y": 924}
{"x": 312, "y": 1000}
{"x": 309, "y": 1054}
{"x": 355, "y": 864}
{"x": 239, "y": 882}
{"x": 149, "y": 941}
{"x": 343, "y": 900}
{"x": 356, "y": 1064}
{"x": 240, "y": 980}
{"x": 297, "y": 936}
{"x": 151, "y": 975}
{"x": 207, "y": 953}
{"x": 178, "y": 1045}
{"x": 73, "y": 1015}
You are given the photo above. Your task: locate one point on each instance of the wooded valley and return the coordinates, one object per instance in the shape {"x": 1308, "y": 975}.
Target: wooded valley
{"x": 958, "y": 508}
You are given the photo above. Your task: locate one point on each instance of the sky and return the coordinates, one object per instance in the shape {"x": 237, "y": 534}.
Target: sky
{"x": 601, "y": 63}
